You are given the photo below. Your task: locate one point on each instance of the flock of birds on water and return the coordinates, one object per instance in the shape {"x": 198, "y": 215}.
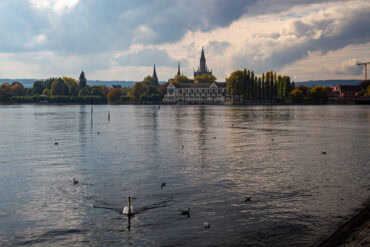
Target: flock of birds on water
{"x": 129, "y": 209}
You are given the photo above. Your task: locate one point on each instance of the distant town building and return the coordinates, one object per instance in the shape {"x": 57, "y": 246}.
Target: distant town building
{"x": 196, "y": 93}
{"x": 116, "y": 86}
{"x": 345, "y": 91}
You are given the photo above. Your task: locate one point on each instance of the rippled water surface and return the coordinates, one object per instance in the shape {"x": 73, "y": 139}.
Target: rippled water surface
{"x": 211, "y": 157}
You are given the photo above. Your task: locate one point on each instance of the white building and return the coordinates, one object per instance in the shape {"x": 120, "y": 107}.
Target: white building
{"x": 202, "y": 93}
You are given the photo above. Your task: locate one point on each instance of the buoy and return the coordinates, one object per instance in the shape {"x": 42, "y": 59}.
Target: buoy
{"x": 128, "y": 210}
{"x": 75, "y": 181}
{"x": 55, "y": 143}
{"x": 248, "y": 199}
{"x": 323, "y": 152}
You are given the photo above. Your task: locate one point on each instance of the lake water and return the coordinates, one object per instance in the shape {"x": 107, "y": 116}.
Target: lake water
{"x": 211, "y": 158}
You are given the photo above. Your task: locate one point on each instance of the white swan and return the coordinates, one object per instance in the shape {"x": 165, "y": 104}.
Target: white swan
{"x": 128, "y": 210}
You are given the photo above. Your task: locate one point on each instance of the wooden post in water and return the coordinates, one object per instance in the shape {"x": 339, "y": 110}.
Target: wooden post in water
{"x": 108, "y": 116}
{"x": 92, "y": 112}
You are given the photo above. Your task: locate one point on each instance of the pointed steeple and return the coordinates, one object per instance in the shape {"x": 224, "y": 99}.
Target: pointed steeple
{"x": 203, "y": 66}
{"x": 178, "y": 69}
{"x": 155, "y": 77}
{"x": 202, "y": 57}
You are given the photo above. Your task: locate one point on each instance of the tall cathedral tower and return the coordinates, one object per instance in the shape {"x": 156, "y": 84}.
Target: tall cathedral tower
{"x": 155, "y": 77}
{"x": 202, "y": 69}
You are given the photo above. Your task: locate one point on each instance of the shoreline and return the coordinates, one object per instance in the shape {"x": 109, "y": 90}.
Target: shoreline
{"x": 354, "y": 232}
{"x": 164, "y": 104}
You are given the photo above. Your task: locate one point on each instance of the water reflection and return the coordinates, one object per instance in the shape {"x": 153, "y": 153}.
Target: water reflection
{"x": 271, "y": 154}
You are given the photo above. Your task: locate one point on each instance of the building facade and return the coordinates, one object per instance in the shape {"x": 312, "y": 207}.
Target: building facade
{"x": 344, "y": 92}
{"x": 197, "y": 93}
{"x": 202, "y": 93}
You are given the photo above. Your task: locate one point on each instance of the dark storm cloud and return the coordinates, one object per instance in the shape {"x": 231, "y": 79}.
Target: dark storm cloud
{"x": 18, "y": 25}
{"x": 95, "y": 26}
{"x": 329, "y": 34}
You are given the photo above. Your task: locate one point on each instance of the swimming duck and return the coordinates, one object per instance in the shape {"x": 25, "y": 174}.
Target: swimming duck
{"x": 185, "y": 212}
{"x": 163, "y": 185}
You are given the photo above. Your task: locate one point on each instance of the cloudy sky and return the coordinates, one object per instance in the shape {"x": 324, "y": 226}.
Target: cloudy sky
{"x": 122, "y": 39}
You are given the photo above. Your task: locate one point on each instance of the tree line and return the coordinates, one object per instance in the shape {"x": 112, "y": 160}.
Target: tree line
{"x": 242, "y": 84}
{"x": 249, "y": 87}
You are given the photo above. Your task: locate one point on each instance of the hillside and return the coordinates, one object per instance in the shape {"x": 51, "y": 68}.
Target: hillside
{"x": 29, "y": 82}
{"x": 329, "y": 83}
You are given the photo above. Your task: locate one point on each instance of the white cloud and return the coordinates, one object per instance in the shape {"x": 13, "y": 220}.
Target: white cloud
{"x": 56, "y": 5}
{"x": 62, "y": 37}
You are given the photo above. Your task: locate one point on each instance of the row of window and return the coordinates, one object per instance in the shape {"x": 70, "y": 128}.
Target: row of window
{"x": 200, "y": 90}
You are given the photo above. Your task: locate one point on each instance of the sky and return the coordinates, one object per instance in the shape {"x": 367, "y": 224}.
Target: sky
{"x": 123, "y": 39}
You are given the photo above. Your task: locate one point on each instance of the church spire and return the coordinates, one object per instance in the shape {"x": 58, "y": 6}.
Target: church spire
{"x": 202, "y": 69}
{"x": 178, "y": 69}
{"x": 155, "y": 77}
{"x": 203, "y": 66}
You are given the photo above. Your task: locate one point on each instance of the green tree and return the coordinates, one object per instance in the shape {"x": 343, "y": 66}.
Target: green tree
{"x": 84, "y": 91}
{"x": 17, "y": 89}
{"x": 46, "y": 92}
{"x": 38, "y": 87}
{"x": 99, "y": 90}
{"x": 235, "y": 82}
{"x": 319, "y": 94}
{"x": 114, "y": 96}
{"x": 48, "y": 82}
{"x": 72, "y": 84}
{"x": 126, "y": 91}
{"x": 181, "y": 79}
{"x": 58, "y": 87}
{"x": 83, "y": 81}
{"x": 245, "y": 84}
{"x": 253, "y": 86}
{"x": 5, "y": 92}
{"x": 162, "y": 89}
{"x": 138, "y": 90}
{"x": 297, "y": 96}
{"x": 263, "y": 87}
{"x": 205, "y": 78}
{"x": 259, "y": 88}
{"x": 368, "y": 91}
{"x": 149, "y": 81}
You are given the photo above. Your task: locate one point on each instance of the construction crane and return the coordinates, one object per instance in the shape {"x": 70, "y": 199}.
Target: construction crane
{"x": 365, "y": 64}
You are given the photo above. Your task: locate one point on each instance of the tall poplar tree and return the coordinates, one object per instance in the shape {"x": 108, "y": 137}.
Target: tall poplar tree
{"x": 83, "y": 81}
